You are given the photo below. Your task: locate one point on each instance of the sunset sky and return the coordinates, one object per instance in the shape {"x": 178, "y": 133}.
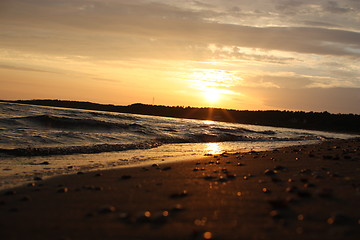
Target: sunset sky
{"x": 239, "y": 54}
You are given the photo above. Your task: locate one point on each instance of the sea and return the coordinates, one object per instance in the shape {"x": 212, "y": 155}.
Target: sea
{"x": 41, "y": 142}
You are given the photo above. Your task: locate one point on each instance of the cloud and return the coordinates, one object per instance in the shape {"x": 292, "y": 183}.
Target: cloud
{"x": 68, "y": 27}
{"x": 333, "y": 7}
{"x": 21, "y": 68}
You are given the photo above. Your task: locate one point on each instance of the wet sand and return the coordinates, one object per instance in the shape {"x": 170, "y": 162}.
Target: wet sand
{"x": 303, "y": 192}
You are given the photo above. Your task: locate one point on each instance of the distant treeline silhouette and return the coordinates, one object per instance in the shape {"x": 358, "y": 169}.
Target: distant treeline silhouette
{"x": 324, "y": 121}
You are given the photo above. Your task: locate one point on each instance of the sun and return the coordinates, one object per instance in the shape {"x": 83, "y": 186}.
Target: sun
{"x": 212, "y": 95}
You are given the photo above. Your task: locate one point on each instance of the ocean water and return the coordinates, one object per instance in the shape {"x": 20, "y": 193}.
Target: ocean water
{"x": 48, "y": 141}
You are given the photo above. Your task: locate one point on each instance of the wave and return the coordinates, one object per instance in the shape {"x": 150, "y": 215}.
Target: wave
{"x": 117, "y": 147}
{"x": 50, "y": 121}
{"x": 68, "y": 150}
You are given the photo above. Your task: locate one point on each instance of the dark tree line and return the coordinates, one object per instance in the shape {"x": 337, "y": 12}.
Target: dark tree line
{"x": 324, "y": 121}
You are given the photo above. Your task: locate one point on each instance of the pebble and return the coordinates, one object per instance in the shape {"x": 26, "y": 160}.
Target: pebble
{"x": 339, "y": 219}
{"x": 279, "y": 167}
{"x": 207, "y": 235}
{"x": 266, "y": 190}
{"x": 160, "y": 217}
{"x": 209, "y": 177}
{"x": 63, "y": 190}
{"x": 124, "y": 216}
{"x": 44, "y": 163}
{"x": 38, "y": 178}
{"x": 178, "y": 208}
{"x": 80, "y": 173}
{"x": 107, "y": 209}
{"x": 309, "y": 185}
{"x": 291, "y": 189}
{"x": 269, "y": 172}
{"x": 275, "y": 214}
{"x": 182, "y": 194}
{"x": 144, "y": 217}
{"x": 301, "y": 217}
{"x": 231, "y": 175}
{"x": 223, "y": 179}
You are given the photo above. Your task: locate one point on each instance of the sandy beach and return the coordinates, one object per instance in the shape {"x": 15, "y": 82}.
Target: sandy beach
{"x": 303, "y": 192}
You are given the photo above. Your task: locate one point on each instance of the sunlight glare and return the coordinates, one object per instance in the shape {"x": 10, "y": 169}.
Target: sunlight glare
{"x": 212, "y": 95}
{"x": 213, "y": 148}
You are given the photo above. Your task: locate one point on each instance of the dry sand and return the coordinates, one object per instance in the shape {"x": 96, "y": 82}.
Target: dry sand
{"x": 303, "y": 192}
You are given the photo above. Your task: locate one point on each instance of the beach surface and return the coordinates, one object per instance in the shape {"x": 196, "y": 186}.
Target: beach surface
{"x": 301, "y": 192}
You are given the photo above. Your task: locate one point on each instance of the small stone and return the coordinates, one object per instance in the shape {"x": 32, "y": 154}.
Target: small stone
{"x": 196, "y": 169}
{"x": 160, "y": 217}
{"x": 182, "y": 194}
{"x": 279, "y": 167}
{"x": 269, "y": 172}
{"x": 207, "y": 235}
{"x": 178, "y": 208}
{"x": 209, "y": 177}
{"x": 291, "y": 189}
{"x": 223, "y": 179}
{"x": 123, "y": 216}
{"x": 98, "y": 175}
{"x": 107, "y": 209}
{"x": 144, "y": 217}
{"x": 38, "y": 178}
{"x": 309, "y": 185}
{"x": 275, "y": 214}
{"x": 231, "y": 175}
{"x": 339, "y": 219}
{"x": 80, "y": 173}
{"x": 63, "y": 190}
{"x": 155, "y": 165}
{"x": 240, "y": 164}
{"x": 266, "y": 190}
{"x": 301, "y": 217}
{"x": 44, "y": 163}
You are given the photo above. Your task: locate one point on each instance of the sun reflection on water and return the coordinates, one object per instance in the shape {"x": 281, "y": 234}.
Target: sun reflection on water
{"x": 213, "y": 148}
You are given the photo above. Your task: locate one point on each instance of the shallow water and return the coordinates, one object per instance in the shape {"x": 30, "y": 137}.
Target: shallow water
{"x": 48, "y": 141}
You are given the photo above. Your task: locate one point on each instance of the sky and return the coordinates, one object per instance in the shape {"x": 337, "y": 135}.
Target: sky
{"x": 298, "y": 55}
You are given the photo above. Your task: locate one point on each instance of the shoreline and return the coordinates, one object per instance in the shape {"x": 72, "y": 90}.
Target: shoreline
{"x": 298, "y": 192}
